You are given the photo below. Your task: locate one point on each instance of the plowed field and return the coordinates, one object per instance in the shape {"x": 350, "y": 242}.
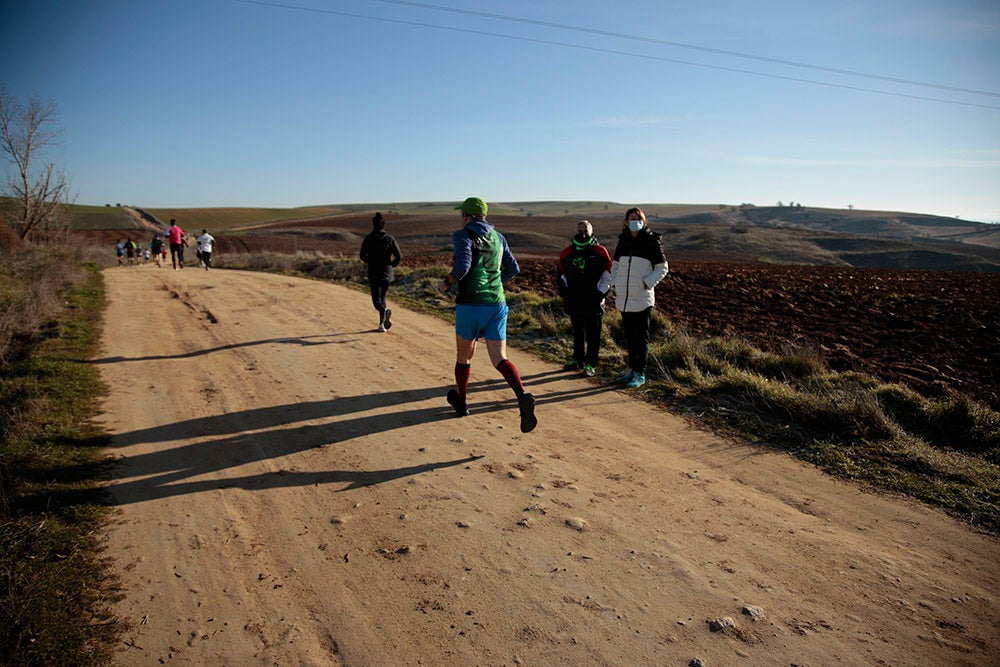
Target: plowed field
{"x": 932, "y": 330}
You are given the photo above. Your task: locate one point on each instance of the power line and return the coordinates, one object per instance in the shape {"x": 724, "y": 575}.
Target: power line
{"x": 614, "y": 52}
{"x": 682, "y": 45}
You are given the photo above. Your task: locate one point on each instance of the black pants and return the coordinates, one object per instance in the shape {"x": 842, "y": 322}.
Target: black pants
{"x": 177, "y": 253}
{"x": 586, "y": 337}
{"x": 636, "y": 327}
{"x": 379, "y": 290}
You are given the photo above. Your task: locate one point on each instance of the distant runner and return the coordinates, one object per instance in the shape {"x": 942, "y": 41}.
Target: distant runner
{"x": 381, "y": 253}
{"x": 130, "y": 248}
{"x": 156, "y": 248}
{"x": 177, "y": 242}
{"x": 205, "y": 243}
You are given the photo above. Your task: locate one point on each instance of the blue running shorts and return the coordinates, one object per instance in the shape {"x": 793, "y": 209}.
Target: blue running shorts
{"x": 488, "y": 321}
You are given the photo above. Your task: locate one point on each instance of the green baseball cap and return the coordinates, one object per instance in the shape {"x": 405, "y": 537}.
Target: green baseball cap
{"x": 473, "y": 206}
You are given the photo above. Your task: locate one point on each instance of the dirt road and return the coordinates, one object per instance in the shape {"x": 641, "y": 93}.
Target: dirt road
{"x": 294, "y": 490}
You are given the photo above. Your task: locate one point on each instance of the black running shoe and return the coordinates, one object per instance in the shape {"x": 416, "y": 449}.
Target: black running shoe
{"x": 526, "y": 402}
{"x": 386, "y": 323}
{"x": 457, "y": 402}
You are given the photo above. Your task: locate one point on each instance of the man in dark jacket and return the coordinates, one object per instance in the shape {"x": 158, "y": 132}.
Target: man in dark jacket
{"x": 381, "y": 252}
{"x": 584, "y": 270}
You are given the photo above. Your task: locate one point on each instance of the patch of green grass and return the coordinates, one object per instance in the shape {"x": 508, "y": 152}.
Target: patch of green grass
{"x": 56, "y": 597}
{"x": 99, "y": 217}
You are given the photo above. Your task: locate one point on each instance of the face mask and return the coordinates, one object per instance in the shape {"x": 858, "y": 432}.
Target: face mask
{"x": 635, "y": 225}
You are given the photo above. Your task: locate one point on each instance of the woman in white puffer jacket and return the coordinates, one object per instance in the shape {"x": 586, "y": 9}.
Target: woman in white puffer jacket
{"x": 638, "y": 265}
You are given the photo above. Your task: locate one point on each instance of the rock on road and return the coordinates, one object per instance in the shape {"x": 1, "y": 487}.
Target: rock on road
{"x": 293, "y": 489}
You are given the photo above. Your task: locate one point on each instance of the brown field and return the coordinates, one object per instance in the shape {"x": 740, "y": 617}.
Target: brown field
{"x": 936, "y": 331}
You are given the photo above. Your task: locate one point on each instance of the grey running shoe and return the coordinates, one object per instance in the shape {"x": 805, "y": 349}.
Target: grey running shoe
{"x": 526, "y": 402}
{"x": 386, "y": 323}
{"x": 457, "y": 402}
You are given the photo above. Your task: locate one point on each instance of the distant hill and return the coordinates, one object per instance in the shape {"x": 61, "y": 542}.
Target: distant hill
{"x": 777, "y": 234}
{"x": 839, "y": 236}
{"x": 882, "y": 224}
{"x": 218, "y": 219}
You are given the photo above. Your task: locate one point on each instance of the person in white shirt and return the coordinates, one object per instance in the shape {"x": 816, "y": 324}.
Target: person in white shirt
{"x": 205, "y": 243}
{"x": 638, "y": 265}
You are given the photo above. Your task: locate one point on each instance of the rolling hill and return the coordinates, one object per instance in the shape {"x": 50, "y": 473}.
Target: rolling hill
{"x": 784, "y": 235}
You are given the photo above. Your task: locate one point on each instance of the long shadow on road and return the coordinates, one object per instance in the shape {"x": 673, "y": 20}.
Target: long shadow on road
{"x": 303, "y": 341}
{"x": 260, "y": 434}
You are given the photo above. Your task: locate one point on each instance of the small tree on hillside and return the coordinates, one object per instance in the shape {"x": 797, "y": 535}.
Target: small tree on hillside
{"x": 37, "y": 193}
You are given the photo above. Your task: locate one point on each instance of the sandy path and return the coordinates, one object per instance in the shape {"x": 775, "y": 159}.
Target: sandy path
{"x": 294, "y": 490}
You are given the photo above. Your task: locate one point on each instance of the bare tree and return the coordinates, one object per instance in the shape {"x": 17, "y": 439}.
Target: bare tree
{"x": 36, "y": 193}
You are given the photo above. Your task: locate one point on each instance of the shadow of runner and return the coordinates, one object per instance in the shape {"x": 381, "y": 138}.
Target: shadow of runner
{"x": 289, "y": 413}
{"x": 140, "y": 491}
{"x": 303, "y": 341}
{"x": 255, "y": 435}
{"x": 227, "y": 441}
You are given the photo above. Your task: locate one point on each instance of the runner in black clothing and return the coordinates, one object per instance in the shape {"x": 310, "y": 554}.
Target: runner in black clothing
{"x": 381, "y": 252}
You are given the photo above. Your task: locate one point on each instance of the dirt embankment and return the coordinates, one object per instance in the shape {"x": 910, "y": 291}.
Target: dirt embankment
{"x": 294, "y": 489}
{"x": 143, "y": 220}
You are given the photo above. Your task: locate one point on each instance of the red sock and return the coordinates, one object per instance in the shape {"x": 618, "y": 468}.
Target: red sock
{"x": 462, "y": 374}
{"x": 509, "y": 372}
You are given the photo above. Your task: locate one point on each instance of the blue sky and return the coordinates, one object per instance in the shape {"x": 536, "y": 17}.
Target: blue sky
{"x": 177, "y": 103}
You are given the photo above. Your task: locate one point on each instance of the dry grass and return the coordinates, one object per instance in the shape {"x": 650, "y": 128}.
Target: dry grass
{"x": 55, "y": 602}
{"x": 32, "y": 282}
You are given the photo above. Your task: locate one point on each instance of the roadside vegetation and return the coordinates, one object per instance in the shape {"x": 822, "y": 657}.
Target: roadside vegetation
{"x": 55, "y": 597}
{"x": 945, "y": 452}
